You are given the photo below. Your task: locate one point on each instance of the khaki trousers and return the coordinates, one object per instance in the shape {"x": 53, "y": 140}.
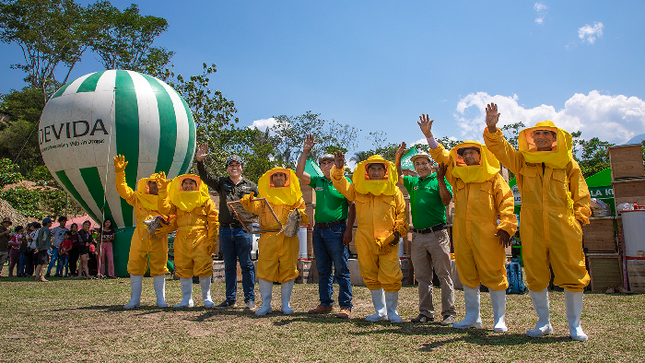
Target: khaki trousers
{"x": 432, "y": 251}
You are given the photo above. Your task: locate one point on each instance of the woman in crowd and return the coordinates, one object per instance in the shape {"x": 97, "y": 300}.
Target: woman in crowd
{"x": 14, "y": 248}
{"x": 32, "y": 231}
{"x": 73, "y": 253}
{"x": 85, "y": 240}
{"x": 106, "y": 256}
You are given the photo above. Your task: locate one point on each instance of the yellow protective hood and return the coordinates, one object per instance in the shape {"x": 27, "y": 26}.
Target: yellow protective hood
{"x": 187, "y": 201}
{"x": 386, "y": 186}
{"x": 558, "y": 157}
{"x": 487, "y": 168}
{"x": 149, "y": 201}
{"x": 289, "y": 194}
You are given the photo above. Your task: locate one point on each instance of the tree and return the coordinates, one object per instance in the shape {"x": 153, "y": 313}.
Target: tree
{"x": 50, "y": 33}
{"x": 123, "y": 40}
{"x": 19, "y": 133}
{"x": 512, "y": 132}
{"x": 329, "y": 135}
{"x": 593, "y": 156}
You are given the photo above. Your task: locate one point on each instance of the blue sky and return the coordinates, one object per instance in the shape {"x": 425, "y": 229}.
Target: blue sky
{"x": 377, "y": 65}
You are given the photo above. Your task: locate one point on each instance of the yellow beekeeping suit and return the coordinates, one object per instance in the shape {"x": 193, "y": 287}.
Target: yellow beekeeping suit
{"x": 380, "y": 211}
{"x": 481, "y": 195}
{"x": 143, "y": 243}
{"x": 555, "y": 202}
{"x": 197, "y": 222}
{"x": 278, "y": 254}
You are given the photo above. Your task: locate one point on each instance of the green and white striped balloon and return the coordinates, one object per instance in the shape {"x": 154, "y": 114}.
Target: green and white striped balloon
{"x": 97, "y": 116}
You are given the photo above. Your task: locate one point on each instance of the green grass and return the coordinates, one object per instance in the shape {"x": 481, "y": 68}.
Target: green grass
{"x": 74, "y": 320}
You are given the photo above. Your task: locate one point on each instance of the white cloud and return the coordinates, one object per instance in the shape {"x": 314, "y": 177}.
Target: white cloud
{"x": 541, "y": 11}
{"x": 610, "y": 118}
{"x": 262, "y": 124}
{"x": 589, "y": 33}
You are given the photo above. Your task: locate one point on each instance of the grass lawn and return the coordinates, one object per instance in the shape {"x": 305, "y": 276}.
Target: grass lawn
{"x": 74, "y": 320}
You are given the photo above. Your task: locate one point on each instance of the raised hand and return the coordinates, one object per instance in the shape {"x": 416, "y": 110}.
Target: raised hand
{"x": 309, "y": 143}
{"x": 441, "y": 171}
{"x": 119, "y": 163}
{"x": 425, "y": 124}
{"x": 401, "y": 150}
{"x": 162, "y": 182}
{"x": 492, "y": 116}
{"x": 202, "y": 152}
{"x": 339, "y": 160}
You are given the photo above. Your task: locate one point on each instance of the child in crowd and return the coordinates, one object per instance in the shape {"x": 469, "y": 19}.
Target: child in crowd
{"x": 63, "y": 253}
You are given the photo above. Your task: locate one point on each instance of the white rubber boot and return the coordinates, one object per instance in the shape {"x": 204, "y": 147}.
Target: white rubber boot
{"x": 573, "y": 303}
{"x": 540, "y": 301}
{"x": 391, "y": 303}
{"x": 498, "y": 301}
{"x": 378, "y": 299}
{"x": 160, "y": 290}
{"x": 472, "y": 318}
{"x": 186, "y": 293}
{"x": 135, "y": 294}
{"x": 266, "y": 289}
{"x": 205, "y": 283}
{"x": 285, "y": 296}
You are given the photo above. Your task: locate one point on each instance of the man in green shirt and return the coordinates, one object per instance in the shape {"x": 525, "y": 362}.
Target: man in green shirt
{"x": 430, "y": 193}
{"x": 334, "y": 219}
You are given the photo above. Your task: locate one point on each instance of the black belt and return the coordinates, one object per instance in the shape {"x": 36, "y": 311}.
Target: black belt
{"x": 231, "y": 225}
{"x": 330, "y": 224}
{"x": 438, "y": 227}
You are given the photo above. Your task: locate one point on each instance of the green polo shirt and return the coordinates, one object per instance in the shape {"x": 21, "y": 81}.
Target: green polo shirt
{"x": 330, "y": 204}
{"x": 425, "y": 201}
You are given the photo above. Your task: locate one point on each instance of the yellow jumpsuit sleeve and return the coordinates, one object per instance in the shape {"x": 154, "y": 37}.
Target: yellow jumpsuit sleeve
{"x": 123, "y": 189}
{"x": 163, "y": 203}
{"x": 213, "y": 224}
{"x": 255, "y": 207}
{"x": 341, "y": 184}
{"x": 401, "y": 217}
{"x": 302, "y": 207}
{"x": 579, "y": 193}
{"x": 504, "y": 204}
{"x": 442, "y": 156}
{"x": 503, "y": 151}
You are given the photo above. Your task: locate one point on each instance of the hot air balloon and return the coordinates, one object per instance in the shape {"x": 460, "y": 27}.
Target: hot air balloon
{"x": 97, "y": 116}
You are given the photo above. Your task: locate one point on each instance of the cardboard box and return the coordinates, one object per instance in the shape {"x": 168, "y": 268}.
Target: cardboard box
{"x": 598, "y": 236}
{"x": 605, "y": 270}
{"x": 626, "y": 161}
{"x": 636, "y": 275}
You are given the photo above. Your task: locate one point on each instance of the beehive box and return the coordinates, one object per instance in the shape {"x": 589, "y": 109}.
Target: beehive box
{"x": 218, "y": 271}
{"x": 636, "y": 275}
{"x": 598, "y": 236}
{"x": 629, "y": 188}
{"x": 605, "y": 270}
{"x": 626, "y": 161}
{"x": 308, "y": 193}
{"x": 304, "y": 272}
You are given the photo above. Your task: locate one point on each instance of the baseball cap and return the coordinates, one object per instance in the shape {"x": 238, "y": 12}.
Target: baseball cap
{"x": 420, "y": 154}
{"x": 47, "y": 220}
{"x": 233, "y": 158}
{"x": 326, "y": 157}
{"x": 7, "y": 219}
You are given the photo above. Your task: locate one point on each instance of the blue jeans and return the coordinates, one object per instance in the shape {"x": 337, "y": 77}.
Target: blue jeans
{"x": 236, "y": 244}
{"x": 64, "y": 264}
{"x": 328, "y": 249}
{"x": 54, "y": 258}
